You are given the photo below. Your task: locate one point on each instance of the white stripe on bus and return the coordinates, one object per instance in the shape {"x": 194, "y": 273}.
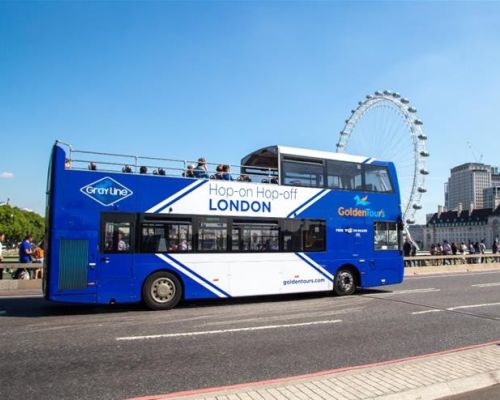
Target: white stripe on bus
{"x": 169, "y": 199}
{"x": 317, "y": 266}
{"x": 311, "y": 202}
{"x": 191, "y": 275}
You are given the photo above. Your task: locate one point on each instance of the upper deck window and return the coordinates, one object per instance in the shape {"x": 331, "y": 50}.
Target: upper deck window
{"x": 377, "y": 179}
{"x": 344, "y": 175}
{"x": 302, "y": 172}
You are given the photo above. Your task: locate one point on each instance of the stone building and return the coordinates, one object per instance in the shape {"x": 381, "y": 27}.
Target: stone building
{"x": 463, "y": 226}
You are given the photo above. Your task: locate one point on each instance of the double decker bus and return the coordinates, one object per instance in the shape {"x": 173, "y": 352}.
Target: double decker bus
{"x": 123, "y": 229}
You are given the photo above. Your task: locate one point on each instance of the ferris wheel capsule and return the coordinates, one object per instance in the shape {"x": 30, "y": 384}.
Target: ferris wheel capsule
{"x": 424, "y": 153}
{"x": 418, "y": 122}
{"x": 404, "y": 100}
{"x": 412, "y": 109}
{"x": 422, "y": 136}
{"x": 423, "y": 171}
{"x": 378, "y": 93}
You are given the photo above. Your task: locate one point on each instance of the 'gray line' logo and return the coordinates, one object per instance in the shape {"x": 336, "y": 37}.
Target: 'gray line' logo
{"x": 106, "y": 191}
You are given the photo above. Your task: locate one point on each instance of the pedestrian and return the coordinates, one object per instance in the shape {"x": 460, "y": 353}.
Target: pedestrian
{"x": 25, "y": 254}
{"x": 2, "y": 239}
{"x": 407, "y": 251}
{"x": 446, "y": 251}
{"x": 482, "y": 250}
{"x": 463, "y": 250}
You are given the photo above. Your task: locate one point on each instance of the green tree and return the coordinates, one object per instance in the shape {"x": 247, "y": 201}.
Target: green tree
{"x": 17, "y": 223}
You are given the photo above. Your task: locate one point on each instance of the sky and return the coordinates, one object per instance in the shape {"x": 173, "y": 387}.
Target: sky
{"x": 221, "y": 79}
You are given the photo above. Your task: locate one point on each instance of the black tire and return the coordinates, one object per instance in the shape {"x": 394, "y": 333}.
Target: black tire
{"x": 345, "y": 282}
{"x": 161, "y": 291}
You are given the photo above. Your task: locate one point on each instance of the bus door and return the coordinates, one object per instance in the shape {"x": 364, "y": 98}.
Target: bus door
{"x": 115, "y": 265}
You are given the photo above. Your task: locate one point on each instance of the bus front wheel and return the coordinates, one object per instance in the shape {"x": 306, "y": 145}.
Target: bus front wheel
{"x": 345, "y": 282}
{"x": 162, "y": 291}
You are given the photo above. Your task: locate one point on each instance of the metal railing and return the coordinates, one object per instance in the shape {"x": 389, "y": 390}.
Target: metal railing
{"x": 35, "y": 268}
{"x": 124, "y": 163}
{"x": 460, "y": 259}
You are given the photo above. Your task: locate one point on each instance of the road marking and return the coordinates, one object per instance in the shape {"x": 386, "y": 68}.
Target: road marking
{"x": 457, "y": 308}
{"x": 409, "y": 291}
{"x": 481, "y": 285}
{"x": 449, "y": 274}
{"x": 248, "y": 329}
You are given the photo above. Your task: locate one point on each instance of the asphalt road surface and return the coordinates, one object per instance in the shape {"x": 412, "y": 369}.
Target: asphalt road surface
{"x": 114, "y": 352}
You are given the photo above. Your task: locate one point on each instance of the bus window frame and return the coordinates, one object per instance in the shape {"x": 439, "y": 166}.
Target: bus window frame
{"x": 397, "y": 223}
{"x": 304, "y": 161}
{"x": 118, "y": 217}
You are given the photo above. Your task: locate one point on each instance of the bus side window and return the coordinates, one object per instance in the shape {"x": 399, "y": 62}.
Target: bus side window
{"x": 386, "y": 236}
{"x": 314, "y": 236}
{"x": 166, "y": 236}
{"x": 255, "y": 236}
{"x": 117, "y": 237}
{"x": 212, "y": 234}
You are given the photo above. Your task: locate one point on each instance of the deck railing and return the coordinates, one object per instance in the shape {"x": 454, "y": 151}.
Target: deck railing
{"x": 124, "y": 163}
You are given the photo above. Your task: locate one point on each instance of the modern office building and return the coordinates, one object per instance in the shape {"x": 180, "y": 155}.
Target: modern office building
{"x": 466, "y": 185}
{"x": 491, "y": 197}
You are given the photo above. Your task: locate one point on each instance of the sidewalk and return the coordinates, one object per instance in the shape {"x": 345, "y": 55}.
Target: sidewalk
{"x": 427, "y": 377}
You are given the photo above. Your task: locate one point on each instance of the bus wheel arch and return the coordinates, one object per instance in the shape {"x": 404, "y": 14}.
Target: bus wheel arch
{"x": 346, "y": 280}
{"x": 162, "y": 290}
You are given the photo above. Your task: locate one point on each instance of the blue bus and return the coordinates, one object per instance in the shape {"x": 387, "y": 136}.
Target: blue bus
{"x": 124, "y": 229}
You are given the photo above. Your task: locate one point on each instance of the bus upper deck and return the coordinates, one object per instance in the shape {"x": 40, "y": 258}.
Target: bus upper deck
{"x": 269, "y": 165}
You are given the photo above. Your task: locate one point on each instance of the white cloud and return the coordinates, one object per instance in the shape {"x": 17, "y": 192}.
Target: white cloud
{"x": 6, "y": 175}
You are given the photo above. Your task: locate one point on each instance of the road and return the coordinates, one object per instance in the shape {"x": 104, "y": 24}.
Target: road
{"x": 87, "y": 352}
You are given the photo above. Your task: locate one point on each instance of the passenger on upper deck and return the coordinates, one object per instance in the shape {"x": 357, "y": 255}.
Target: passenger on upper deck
{"x": 126, "y": 169}
{"x": 201, "y": 169}
{"x": 92, "y": 166}
{"x": 225, "y": 173}
{"x": 67, "y": 163}
{"x": 143, "y": 170}
{"x": 189, "y": 173}
{"x": 218, "y": 173}
{"x": 244, "y": 178}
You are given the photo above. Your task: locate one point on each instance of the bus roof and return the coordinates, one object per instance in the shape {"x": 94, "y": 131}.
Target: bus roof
{"x": 327, "y": 155}
{"x": 268, "y": 156}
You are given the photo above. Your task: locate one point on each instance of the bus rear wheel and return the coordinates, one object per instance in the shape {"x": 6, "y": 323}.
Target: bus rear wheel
{"x": 162, "y": 291}
{"x": 345, "y": 282}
